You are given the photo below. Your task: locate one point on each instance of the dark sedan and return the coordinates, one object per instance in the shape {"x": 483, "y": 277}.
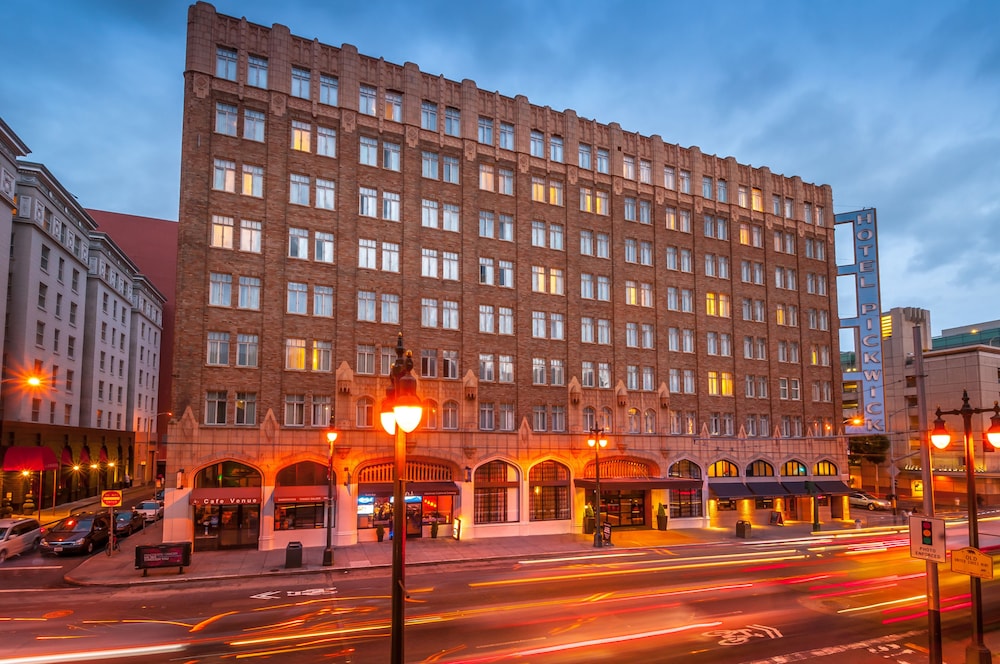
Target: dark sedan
{"x": 128, "y": 522}
{"x": 79, "y": 533}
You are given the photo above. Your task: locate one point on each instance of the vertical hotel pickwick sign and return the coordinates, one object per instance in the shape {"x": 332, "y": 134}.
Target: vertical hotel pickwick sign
{"x": 865, "y": 323}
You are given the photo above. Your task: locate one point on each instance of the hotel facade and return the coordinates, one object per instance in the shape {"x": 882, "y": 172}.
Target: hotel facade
{"x": 554, "y": 277}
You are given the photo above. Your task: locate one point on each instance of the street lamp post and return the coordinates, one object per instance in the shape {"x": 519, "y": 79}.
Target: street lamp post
{"x": 400, "y": 414}
{"x": 976, "y": 652}
{"x": 331, "y": 438}
{"x": 597, "y": 441}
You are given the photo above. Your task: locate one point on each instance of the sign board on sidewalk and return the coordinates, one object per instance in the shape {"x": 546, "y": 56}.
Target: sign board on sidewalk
{"x": 927, "y": 538}
{"x": 973, "y": 562}
{"x": 111, "y": 498}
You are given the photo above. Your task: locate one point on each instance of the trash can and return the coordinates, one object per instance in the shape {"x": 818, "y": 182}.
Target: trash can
{"x": 293, "y": 555}
{"x": 743, "y": 529}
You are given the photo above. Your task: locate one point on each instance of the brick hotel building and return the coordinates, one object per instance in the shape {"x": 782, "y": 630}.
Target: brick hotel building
{"x": 551, "y": 274}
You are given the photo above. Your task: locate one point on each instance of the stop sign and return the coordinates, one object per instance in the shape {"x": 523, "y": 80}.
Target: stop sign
{"x": 112, "y": 498}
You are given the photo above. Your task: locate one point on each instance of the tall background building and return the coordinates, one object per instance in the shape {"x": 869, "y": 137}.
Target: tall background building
{"x": 553, "y": 275}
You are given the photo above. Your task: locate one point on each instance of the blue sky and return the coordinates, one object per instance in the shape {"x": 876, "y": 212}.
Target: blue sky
{"x": 894, "y": 104}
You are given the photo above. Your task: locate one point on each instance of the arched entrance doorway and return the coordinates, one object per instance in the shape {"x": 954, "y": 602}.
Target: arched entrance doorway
{"x": 226, "y": 497}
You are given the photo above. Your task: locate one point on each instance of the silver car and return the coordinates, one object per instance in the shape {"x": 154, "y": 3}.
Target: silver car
{"x": 867, "y": 501}
{"x": 152, "y": 510}
{"x": 17, "y": 536}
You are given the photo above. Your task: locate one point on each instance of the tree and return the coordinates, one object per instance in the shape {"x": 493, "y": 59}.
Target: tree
{"x": 873, "y": 449}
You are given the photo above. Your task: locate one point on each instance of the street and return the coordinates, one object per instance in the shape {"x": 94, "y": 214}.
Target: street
{"x": 819, "y": 599}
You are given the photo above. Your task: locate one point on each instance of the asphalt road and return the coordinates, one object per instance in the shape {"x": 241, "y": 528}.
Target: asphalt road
{"x": 766, "y": 602}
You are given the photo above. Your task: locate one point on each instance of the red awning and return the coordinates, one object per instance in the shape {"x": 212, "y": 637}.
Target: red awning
{"x": 301, "y": 494}
{"x": 104, "y": 454}
{"x": 31, "y": 458}
{"x": 85, "y": 456}
{"x": 67, "y": 456}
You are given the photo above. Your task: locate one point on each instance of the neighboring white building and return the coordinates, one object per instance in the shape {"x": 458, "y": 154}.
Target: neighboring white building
{"x": 11, "y": 148}
{"x": 47, "y": 298}
{"x": 146, "y": 332}
{"x": 85, "y": 324}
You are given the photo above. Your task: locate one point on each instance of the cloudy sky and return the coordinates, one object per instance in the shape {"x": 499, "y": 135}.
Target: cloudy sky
{"x": 895, "y": 104}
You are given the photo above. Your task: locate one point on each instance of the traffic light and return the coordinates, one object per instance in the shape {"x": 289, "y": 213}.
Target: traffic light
{"x": 926, "y": 533}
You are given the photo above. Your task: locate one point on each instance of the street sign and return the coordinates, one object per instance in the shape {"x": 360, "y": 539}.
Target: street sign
{"x": 111, "y": 498}
{"x": 973, "y": 562}
{"x": 927, "y": 538}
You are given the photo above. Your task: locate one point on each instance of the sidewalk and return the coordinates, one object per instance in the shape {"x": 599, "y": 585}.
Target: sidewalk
{"x": 119, "y": 568}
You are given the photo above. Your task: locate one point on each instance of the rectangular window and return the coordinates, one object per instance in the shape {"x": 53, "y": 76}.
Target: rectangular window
{"x": 297, "y": 298}
{"x": 366, "y": 306}
{"x": 253, "y": 125}
{"x": 298, "y": 189}
{"x": 298, "y": 243}
{"x": 628, "y": 167}
{"x": 323, "y": 301}
{"x": 246, "y": 408}
{"x": 301, "y": 136}
{"x": 429, "y": 165}
{"x": 366, "y": 100}
{"x": 390, "y": 156}
{"x": 505, "y": 181}
{"x": 367, "y": 202}
{"x": 328, "y": 90}
{"x": 452, "y": 121}
{"x": 215, "y": 407}
{"x": 506, "y": 136}
{"x": 428, "y": 312}
{"x": 584, "y": 157}
{"x": 325, "y": 194}
{"x": 225, "y": 63}
{"x": 486, "y": 178}
{"x": 390, "y": 308}
{"x": 603, "y": 161}
{"x": 222, "y": 232}
{"x": 486, "y": 131}
{"x": 295, "y": 410}
{"x": 368, "y": 151}
{"x": 225, "y": 119}
{"x": 253, "y": 181}
{"x": 295, "y": 354}
{"x": 300, "y": 83}
{"x": 429, "y": 115}
{"x": 556, "y": 149}
{"x": 390, "y": 206}
{"x": 450, "y": 169}
{"x": 394, "y": 106}
{"x": 224, "y": 178}
{"x": 450, "y": 218}
{"x": 220, "y": 289}
{"x": 218, "y": 349}
{"x": 537, "y": 144}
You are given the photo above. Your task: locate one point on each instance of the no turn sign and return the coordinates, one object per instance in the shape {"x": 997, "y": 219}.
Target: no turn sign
{"x": 112, "y": 498}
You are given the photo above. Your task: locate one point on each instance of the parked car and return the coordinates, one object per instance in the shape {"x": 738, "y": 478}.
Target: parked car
{"x": 18, "y": 535}
{"x": 151, "y": 510}
{"x": 868, "y": 501}
{"x": 78, "y": 533}
{"x": 127, "y": 522}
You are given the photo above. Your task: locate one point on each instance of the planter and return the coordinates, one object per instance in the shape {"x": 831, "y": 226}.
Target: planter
{"x": 661, "y": 522}
{"x": 380, "y": 533}
{"x": 434, "y": 530}
{"x": 588, "y": 525}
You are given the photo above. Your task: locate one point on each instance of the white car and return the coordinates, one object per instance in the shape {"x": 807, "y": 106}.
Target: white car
{"x": 17, "y": 536}
{"x": 151, "y": 510}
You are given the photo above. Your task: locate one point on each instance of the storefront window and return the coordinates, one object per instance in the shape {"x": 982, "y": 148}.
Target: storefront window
{"x": 686, "y": 503}
{"x": 299, "y": 516}
{"x": 437, "y": 509}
